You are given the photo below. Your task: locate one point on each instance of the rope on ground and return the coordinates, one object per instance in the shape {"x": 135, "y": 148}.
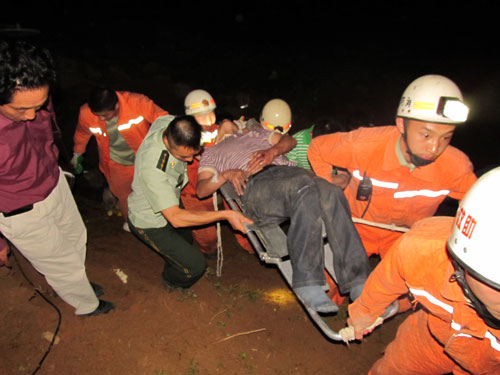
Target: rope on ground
{"x": 51, "y": 304}
{"x": 392, "y": 227}
{"x": 220, "y": 254}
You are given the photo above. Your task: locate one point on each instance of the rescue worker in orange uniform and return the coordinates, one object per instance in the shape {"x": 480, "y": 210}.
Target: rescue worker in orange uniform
{"x": 408, "y": 169}
{"x": 119, "y": 120}
{"x": 450, "y": 267}
{"x": 201, "y": 105}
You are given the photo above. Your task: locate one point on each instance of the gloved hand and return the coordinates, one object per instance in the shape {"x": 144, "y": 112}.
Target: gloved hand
{"x": 76, "y": 162}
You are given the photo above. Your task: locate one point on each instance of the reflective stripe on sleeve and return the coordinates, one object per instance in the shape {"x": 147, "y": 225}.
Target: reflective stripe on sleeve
{"x": 96, "y": 130}
{"x": 493, "y": 341}
{"x": 432, "y": 299}
{"x": 457, "y": 327}
{"x": 131, "y": 122}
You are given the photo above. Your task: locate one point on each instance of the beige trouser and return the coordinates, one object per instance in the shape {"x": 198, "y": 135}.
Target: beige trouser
{"x": 53, "y": 238}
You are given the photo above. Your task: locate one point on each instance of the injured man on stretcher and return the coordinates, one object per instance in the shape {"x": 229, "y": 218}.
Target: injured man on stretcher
{"x": 273, "y": 191}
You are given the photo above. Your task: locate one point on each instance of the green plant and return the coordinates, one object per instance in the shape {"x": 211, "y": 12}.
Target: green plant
{"x": 193, "y": 368}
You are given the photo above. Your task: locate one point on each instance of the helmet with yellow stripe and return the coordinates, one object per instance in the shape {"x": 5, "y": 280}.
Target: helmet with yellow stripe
{"x": 276, "y": 115}
{"x": 433, "y": 98}
{"x": 201, "y": 105}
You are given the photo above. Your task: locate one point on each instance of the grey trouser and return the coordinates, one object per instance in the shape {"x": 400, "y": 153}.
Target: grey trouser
{"x": 279, "y": 193}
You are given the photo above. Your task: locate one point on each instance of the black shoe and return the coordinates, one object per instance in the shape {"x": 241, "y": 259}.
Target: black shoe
{"x": 98, "y": 290}
{"x": 103, "y": 308}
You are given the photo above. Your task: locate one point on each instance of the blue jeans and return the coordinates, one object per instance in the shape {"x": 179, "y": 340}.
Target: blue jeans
{"x": 279, "y": 193}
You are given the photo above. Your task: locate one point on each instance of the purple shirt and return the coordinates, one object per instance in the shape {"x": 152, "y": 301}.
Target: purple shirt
{"x": 234, "y": 152}
{"x": 28, "y": 160}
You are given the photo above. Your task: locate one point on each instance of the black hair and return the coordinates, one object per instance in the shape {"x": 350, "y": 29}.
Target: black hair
{"x": 102, "y": 99}
{"x": 326, "y": 125}
{"x": 23, "y": 67}
{"x": 184, "y": 131}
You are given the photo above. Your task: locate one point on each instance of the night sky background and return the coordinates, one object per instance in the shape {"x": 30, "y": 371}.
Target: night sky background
{"x": 348, "y": 60}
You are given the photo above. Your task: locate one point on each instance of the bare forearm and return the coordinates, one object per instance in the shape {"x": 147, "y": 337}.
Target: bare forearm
{"x": 208, "y": 186}
{"x": 180, "y": 218}
{"x": 285, "y": 144}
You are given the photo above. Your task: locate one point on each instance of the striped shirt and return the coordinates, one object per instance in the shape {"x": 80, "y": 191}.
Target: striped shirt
{"x": 235, "y": 151}
{"x": 299, "y": 153}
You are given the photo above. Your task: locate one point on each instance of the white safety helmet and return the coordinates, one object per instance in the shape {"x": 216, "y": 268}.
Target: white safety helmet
{"x": 276, "y": 115}
{"x": 473, "y": 242}
{"x": 198, "y": 102}
{"x": 433, "y": 98}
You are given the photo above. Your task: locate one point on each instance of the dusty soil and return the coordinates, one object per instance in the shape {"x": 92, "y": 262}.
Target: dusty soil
{"x": 158, "y": 332}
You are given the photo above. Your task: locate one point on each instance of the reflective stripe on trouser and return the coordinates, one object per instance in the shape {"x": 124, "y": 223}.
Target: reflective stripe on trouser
{"x": 184, "y": 264}
{"x": 120, "y": 183}
{"x": 414, "y": 351}
{"x": 53, "y": 238}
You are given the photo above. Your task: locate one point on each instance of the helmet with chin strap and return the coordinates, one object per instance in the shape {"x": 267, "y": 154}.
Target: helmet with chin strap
{"x": 433, "y": 98}
{"x": 276, "y": 115}
{"x": 473, "y": 244}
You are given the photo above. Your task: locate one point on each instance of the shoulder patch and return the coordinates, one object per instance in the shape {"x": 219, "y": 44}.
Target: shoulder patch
{"x": 163, "y": 160}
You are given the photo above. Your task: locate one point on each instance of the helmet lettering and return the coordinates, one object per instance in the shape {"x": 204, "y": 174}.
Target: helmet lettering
{"x": 469, "y": 226}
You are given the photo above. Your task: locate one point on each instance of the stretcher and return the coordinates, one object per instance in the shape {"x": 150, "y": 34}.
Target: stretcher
{"x": 269, "y": 243}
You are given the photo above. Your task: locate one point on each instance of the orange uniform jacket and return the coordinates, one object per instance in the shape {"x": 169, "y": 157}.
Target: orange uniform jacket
{"x": 137, "y": 112}
{"x": 192, "y": 169}
{"x": 400, "y": 196}
{"x": 418, "y": 263}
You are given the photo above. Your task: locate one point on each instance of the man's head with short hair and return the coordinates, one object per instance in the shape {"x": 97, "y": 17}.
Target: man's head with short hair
{"x": 183, "y": 137}
{"x": 326, "y": 125}
{"x": 103, "y": 102}
{"x": 26, "y": 74}
{"x": 23, "y": 67}
{"x": 102, "y": 99}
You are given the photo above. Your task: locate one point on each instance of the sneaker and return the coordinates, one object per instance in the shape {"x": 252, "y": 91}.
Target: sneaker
{"x": 103, "y": 308}
{"x": 125, "y": 227}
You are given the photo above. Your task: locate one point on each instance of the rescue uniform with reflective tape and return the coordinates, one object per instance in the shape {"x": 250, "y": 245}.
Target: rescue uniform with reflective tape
{"x": 446, "y": 335}
{"x": 136, "y": 113}
{"x": 402, "y": 194}
{"x": 158, "y": 180}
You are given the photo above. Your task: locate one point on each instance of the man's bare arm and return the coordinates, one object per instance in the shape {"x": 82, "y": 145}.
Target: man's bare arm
{"x": 208, "y": 185}
{"x": 179, "y": 217}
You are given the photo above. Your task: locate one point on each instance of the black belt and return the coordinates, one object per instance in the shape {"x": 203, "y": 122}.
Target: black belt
{"x": 21, "y": 210}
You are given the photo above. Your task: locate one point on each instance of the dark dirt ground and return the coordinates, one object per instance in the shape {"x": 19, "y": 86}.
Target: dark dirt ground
{"x": 157, "y": 332}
